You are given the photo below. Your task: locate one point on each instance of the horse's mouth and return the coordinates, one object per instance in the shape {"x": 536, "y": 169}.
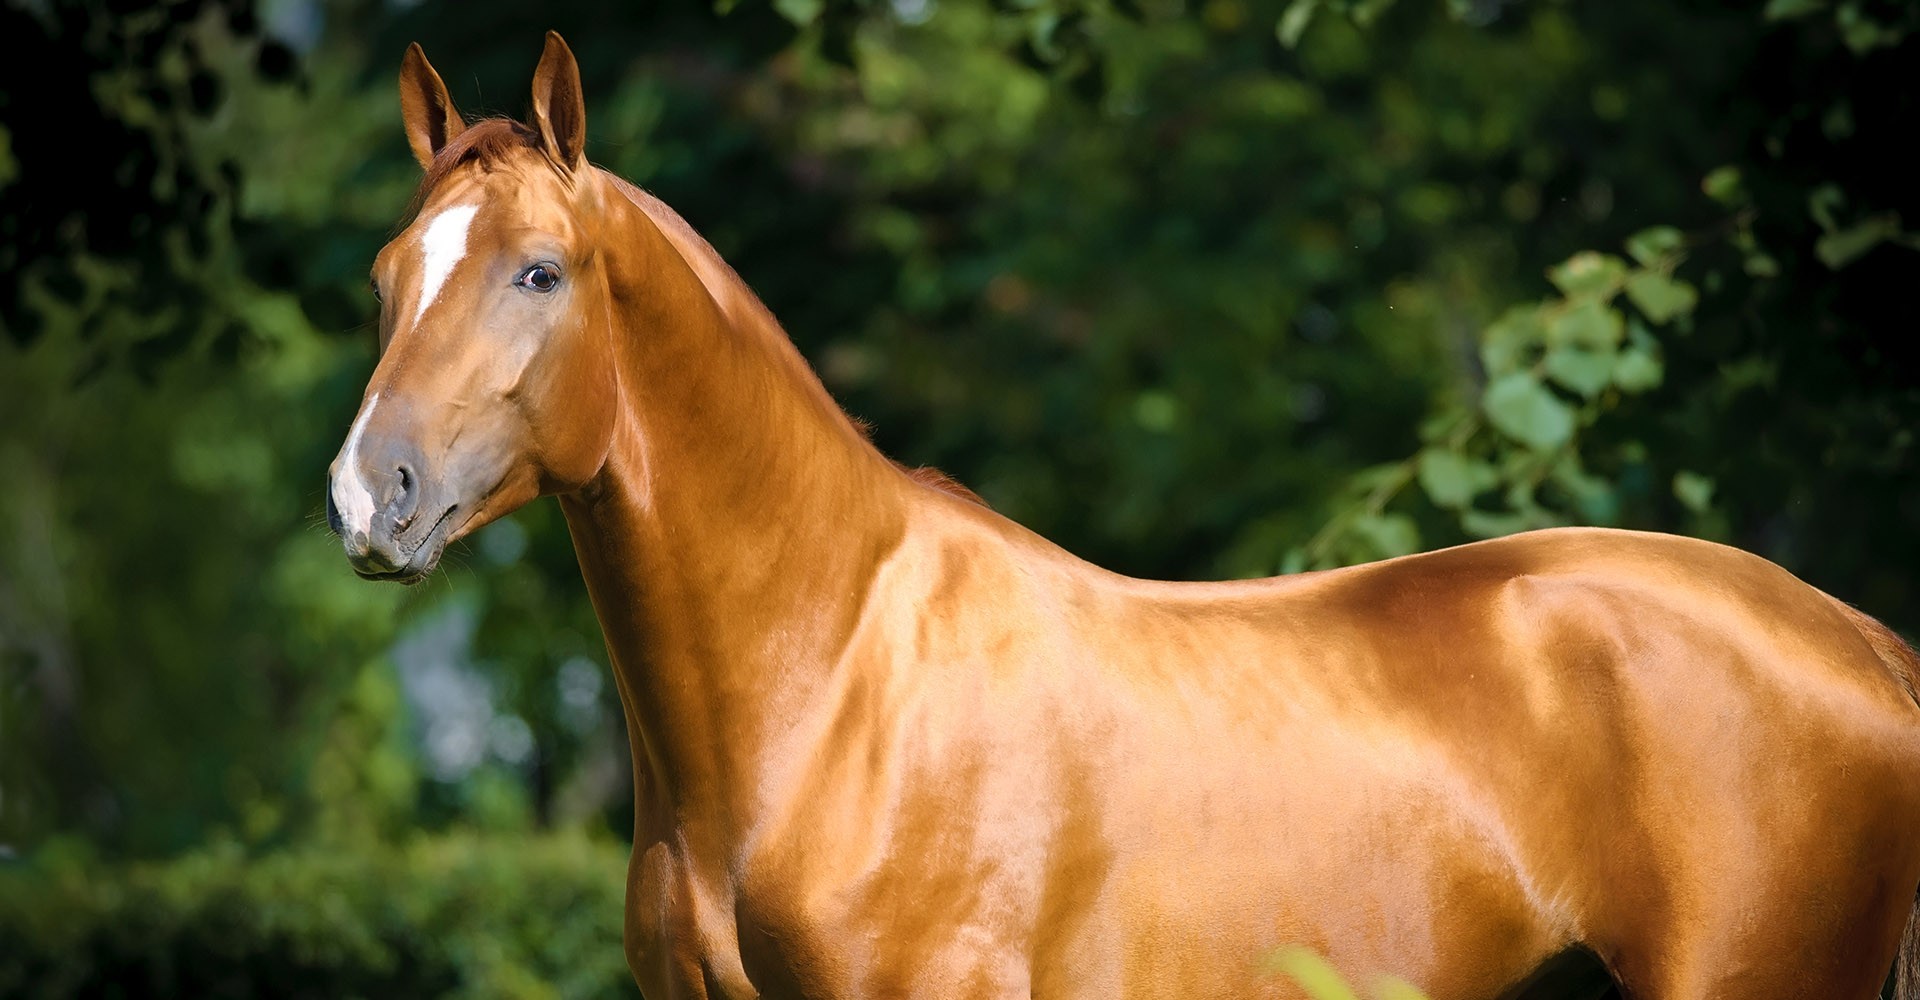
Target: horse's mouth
{"x": 424, "y": 557}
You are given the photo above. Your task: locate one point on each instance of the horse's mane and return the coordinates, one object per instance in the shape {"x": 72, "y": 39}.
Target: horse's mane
{"x": 927, "y": 475}
{"x": 491, "y": 141}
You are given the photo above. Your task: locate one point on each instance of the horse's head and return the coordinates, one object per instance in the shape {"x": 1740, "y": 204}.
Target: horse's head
{"x": 494, "y": 384}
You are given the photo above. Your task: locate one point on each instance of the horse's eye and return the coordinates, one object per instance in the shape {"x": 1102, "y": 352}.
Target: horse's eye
{"x": 540, "y": 278}
{"x": 375, "y": 285}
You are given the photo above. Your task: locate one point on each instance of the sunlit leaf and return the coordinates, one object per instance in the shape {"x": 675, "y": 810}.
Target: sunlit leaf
{"x": 1294, "y": 21}
{"x": 1638, "y": 370}
{"x": 1387, "y": 534}
{"x": 1451, "y": 479}
{"x": 1588, "y": 274}
{"x": 1366, "y": 12}
{"x": 1723, "y": 185}
{"x": 1395, "y": 988}
{"x": 1319, "y": 979}
{"x": 1593, "y": 494}
{"x": 1513, "y": 341}
{"x": 1482, "y": 524}
{"x": 1841, "y": 247}
{"x": 1651, "y": 244}
{"x": 1580, "y": 369}
{"x": 1156, "y": 410}
{"x": 1862, "y": 32}
{"x": 1693, "y": 490}
{"x": 1526, "y": 411}
{"x": 1659, "y": 297}
{"x": 800, "y": 12}
{"x": 1589, "y": 324}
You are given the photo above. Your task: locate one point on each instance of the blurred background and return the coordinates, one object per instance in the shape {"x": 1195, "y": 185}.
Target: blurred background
{"x": 1197, "y": 288}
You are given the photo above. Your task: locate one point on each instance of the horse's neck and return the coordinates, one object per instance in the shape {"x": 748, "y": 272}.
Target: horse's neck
{"x": 730, "y": 538}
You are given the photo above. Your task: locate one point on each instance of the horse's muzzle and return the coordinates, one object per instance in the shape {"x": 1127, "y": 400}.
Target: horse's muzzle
{"x": 400, "y": 555}
{"x": 403, "y": 533}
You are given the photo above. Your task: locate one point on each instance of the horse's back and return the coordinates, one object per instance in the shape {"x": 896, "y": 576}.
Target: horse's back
{"x": 1549, "y": 612}
{"x": 1450, "y": 767}
{"x": 1583, "y": 736}
{"x": 1661, "y": 732}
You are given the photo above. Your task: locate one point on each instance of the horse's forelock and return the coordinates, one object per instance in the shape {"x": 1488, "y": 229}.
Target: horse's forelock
{"x": 487, "y": 142}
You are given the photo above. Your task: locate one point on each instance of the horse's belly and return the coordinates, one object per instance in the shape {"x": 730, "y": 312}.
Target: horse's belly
{"x": 1380, "y": 873}
{"x": 1152, "y": 889}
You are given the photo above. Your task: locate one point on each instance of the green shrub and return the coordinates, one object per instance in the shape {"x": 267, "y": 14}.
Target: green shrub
{"x": 457, "y": 915}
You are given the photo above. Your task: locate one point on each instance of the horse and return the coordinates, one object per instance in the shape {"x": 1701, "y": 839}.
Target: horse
{"x": 889, "y": 743}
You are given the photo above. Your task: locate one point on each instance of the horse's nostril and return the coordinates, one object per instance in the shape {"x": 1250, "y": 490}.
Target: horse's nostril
{"x": 406, "y": 498}
{"x": 333, "y": 512}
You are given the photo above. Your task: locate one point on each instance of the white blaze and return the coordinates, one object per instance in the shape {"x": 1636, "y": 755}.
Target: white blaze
{"x": 442, "y": 247}
{"x": 444, "y": 244}
{"x": 350, "y": 494}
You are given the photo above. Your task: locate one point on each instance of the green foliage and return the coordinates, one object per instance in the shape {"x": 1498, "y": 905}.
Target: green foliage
{"x": 1515, "y": 462}
{"x": 1554, "y": 370}
{"x": 1323, "y": 982}
{"x": 451, "y": 916}
{"x": 110, "y": 110}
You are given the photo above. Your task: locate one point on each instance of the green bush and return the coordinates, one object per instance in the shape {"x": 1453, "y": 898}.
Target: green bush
{"x": 456, "y": 915}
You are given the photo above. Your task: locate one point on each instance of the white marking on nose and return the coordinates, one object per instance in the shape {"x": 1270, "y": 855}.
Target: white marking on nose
{"x": 350, "y": 494}
{"x": 444, "y": 244}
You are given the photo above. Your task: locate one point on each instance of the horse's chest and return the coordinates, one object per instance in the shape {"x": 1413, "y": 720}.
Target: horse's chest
{"x": 888, "y": 930}
{"x": 803, "y": 924}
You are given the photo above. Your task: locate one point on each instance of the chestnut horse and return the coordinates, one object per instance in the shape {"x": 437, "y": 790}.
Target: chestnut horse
{"x": 888, "y": 743}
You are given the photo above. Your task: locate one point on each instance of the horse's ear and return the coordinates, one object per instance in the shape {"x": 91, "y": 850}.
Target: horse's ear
{"x": 432, "y": 120}
{"x": 558, "y": 107}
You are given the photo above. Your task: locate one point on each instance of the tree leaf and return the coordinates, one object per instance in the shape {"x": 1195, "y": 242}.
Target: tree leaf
{"x": 1661, "y": 298}
{"x": 1723, "y": 185}
{"x": 1580, "y": 369}
{"x": 1862, "y": 32}
{"x": 1483, "y": 524}
{"x": 800, "y": 12}
{"x": 1841, "y": 247}
{"x": 1294, "y": 21}
{"x": 1593, "y": 495}
{"x": 1638, "y": 370}
{"x": 1782, "y": 10}
{"x": 1521, "y": 408}
{"x": 1589, "y": 324}
{"x": 1821, "y": 203}
{"x": 1513, "y": 340}
{"x": 1452, "y": 480}
{"x": 1588, "y": 274}
{"x": 1156, "y": 410}
{"x": 1395, "y": 988}
{"x": 1365, "y": 12}
{"x": 1651, "y": 244}
{"x": 1693, "y": 490}
{"x": 1387, "y": 535}
{"x": 1319, "y": 979}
